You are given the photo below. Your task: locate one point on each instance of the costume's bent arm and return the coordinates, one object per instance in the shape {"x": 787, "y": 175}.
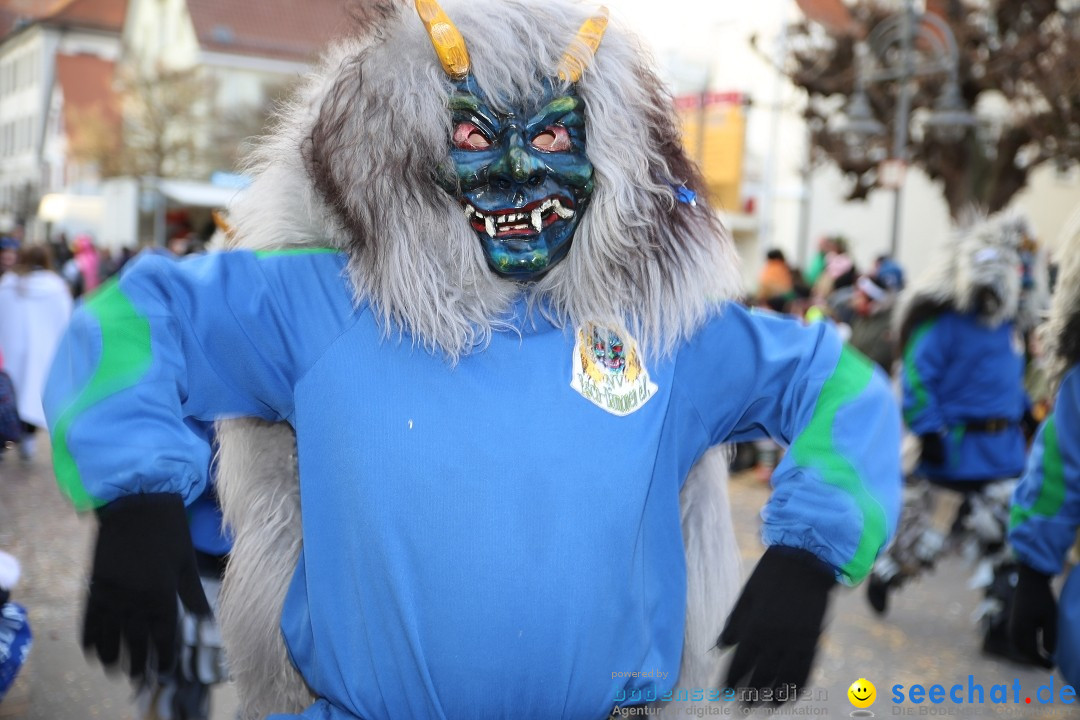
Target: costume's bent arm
{"x": 1046, "y": 503}
{"x": 836, "y": 493}
{"x": 923, "y": 364}
{"x": 168, "y": 344}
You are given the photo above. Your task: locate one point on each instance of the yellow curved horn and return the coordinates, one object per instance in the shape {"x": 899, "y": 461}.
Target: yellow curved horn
{"x": 590, "y": 33}
{"x": 448, "y": 42}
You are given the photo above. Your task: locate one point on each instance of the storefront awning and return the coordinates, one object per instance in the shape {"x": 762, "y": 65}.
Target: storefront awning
{"x": 197, "y": 194}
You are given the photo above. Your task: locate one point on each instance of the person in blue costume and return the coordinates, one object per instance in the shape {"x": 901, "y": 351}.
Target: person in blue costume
{"x": 1046, "y": 504}
{"x": 468, "y": 358}
{"x": 963, "y": 397}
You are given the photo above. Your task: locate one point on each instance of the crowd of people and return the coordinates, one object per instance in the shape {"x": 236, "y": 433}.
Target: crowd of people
{"x": 40, "y": 283}
{"x": 832, "y": 287}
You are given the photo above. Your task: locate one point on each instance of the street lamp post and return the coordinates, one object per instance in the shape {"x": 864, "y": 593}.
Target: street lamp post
{"x": 903, "y": 111}
{"x": 889, "y": 54}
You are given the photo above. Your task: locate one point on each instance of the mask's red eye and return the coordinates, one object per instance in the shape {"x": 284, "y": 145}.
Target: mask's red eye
{"x": 553, "y": 138}
{"x": 469, "y": 137}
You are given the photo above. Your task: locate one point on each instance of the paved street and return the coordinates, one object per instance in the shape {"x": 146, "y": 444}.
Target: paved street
{"x": 927, "y": 638}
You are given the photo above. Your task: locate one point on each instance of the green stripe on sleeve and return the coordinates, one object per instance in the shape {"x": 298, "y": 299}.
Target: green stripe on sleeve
{"x": 125, "y": 358}
{"x": 815, "y": 449}
{"x": 911, "y": 374}
{"x": 1052, "y": 493}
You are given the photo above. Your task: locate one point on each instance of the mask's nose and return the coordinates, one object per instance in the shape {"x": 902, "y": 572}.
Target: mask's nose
{"x": 517, "y": 167}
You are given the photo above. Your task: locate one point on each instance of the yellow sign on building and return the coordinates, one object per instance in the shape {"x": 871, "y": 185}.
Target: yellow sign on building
{"x": 714, "y": 135}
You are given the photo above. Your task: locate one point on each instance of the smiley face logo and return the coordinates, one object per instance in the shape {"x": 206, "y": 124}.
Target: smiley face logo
{"x": 862, "y": 693}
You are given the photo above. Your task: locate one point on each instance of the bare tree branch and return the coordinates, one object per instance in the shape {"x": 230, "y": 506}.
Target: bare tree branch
{"x": 1022, "y": 55}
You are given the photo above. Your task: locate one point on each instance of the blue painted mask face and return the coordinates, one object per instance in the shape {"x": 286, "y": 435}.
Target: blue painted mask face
{"x": 523, "y": 178}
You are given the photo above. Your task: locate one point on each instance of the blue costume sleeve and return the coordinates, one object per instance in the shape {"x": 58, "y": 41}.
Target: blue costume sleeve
{"x": 1046, "y": 504}
{"x": 836, "y": 493}
{"x": 924, "y": 361}
{"x": 153, "y": 357}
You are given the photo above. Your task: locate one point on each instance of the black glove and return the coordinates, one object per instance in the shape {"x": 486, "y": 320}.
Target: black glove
{"x": 777, "y": 621}
{"x": 143, "y": 560}
{"x": 933, "y": 448}
{"x": 1034, "y": 610}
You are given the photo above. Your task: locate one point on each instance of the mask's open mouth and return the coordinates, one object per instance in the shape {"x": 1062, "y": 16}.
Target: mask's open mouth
{"x": 987, "y": 300}
{"x": 519, "y": 222}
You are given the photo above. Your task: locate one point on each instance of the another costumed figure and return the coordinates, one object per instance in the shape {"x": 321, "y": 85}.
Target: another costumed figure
{"x": 963, "y": 367}
{"x": 481, "y": 328}
{"x": 1046, "y": 505}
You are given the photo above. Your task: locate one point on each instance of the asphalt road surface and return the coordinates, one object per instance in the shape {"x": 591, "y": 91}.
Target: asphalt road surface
{"x": 927, "y": 638}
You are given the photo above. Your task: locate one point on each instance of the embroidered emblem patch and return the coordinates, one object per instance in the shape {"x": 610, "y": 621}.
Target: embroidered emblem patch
{"x": 609, "y": 372}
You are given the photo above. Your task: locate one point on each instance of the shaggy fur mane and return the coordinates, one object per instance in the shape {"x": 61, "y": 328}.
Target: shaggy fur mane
{"x": 351, "y": 165}
{"x": 982, "y": 251}
{"x": 1060, "y": 335}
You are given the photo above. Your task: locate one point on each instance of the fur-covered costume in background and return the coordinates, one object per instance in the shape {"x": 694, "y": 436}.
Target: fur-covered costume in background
{"x": 461, "y": 495}
{"x": 1046, "y": 505}
{"x": 963, "y": 359}
{"x": 962, "y": 375}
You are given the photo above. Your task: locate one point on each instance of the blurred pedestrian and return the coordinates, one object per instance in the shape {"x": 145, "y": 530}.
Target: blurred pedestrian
{"x": 35, "y": 306}
{"x": 61, "y": 249}
{"x": 871, "y": 326}
{"x": 839, "y": 269}
{"x": 11, "y": 428}
{"x": 82, "y": 271}
{"x": 15, "y": 643}
{"x": 776, "y": 285}
{"x": 963, "y": 366}
{"x": 817, "y": 262}
{"x": 889, "y": 273}
{"x": 9, "y": 253}
{"x": 1046, "y": 505}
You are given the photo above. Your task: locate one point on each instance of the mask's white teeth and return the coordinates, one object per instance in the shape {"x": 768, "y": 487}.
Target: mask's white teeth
{"x": 489, "y": 226}
{"x": 562, "y": 212}
{"x": 537, "y": 218}
{"x": 469, "y": 210}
